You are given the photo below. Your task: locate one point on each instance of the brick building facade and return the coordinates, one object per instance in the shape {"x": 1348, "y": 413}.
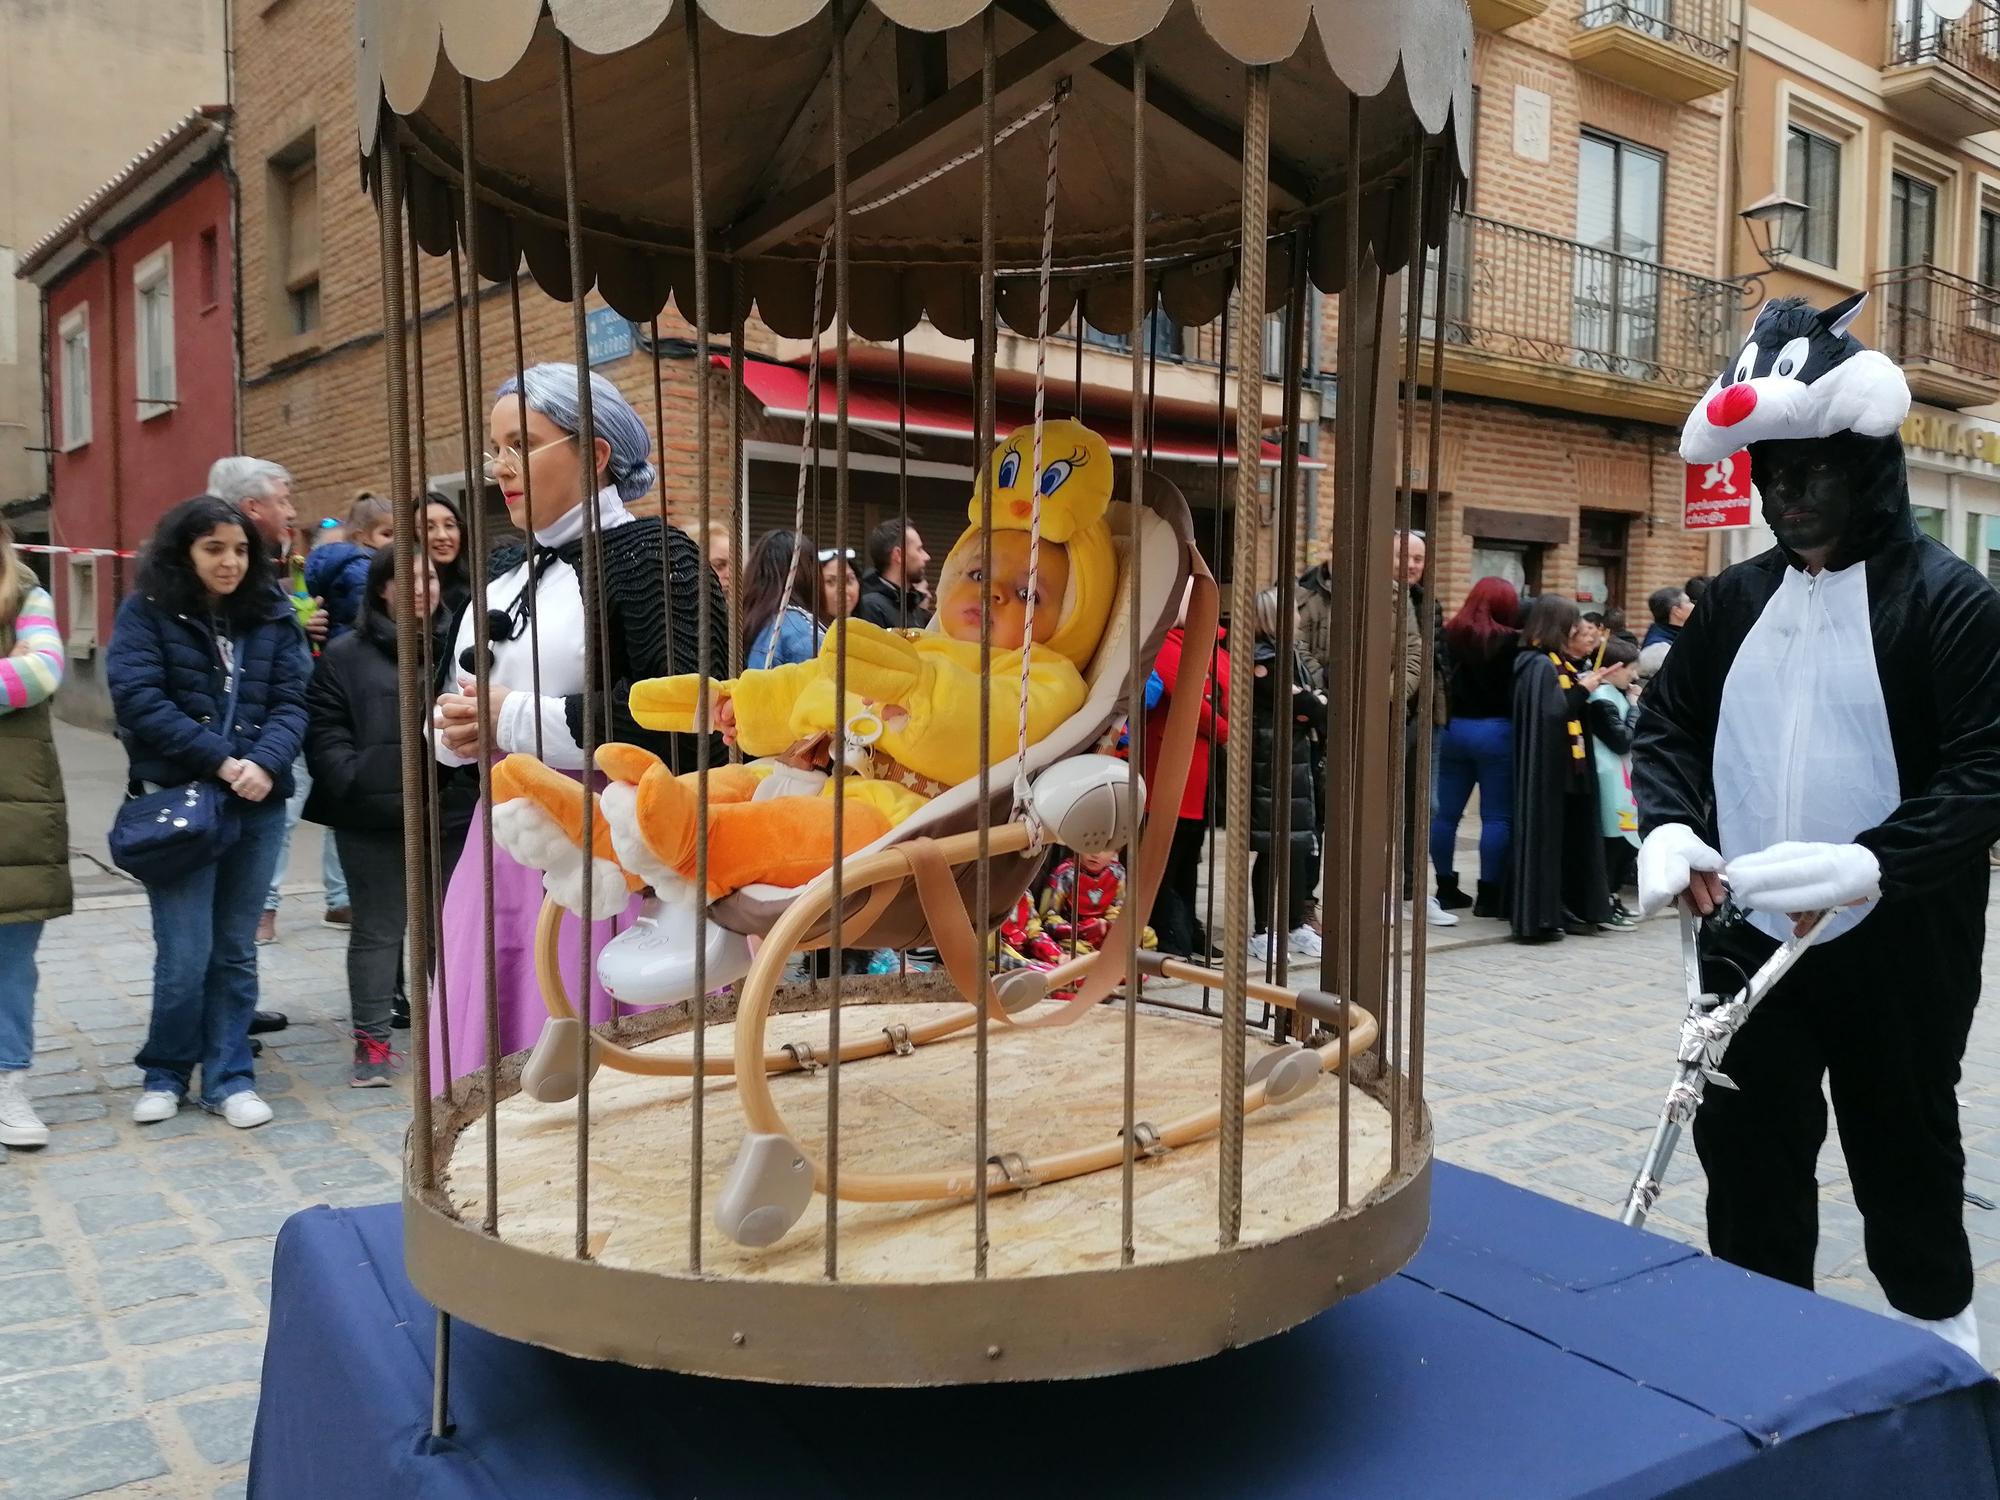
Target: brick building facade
{"x": 313, "y": 376}
{"x": 1584, "y": 310}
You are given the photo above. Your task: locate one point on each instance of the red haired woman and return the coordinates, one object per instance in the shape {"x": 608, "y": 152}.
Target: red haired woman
{"x": 1478, "y": 744}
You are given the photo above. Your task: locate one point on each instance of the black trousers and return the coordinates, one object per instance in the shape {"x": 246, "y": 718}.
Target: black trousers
{"x": 1175, "y": 919}
{"x": 1621, "y": 861}
{"x": 373, "y": 860}
{"x": 1264, "y": 886}
{"x": 1863, "y": 1015}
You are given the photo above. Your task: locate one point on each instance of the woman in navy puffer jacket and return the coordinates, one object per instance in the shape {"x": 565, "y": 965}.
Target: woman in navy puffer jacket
{"x": 209, "y": 630}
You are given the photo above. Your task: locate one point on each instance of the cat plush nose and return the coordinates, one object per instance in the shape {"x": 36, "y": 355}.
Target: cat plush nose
{"x": 1727, "y": 408}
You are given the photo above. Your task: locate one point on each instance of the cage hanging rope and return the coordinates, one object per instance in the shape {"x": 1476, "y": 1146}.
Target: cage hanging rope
{"x": 1053, "y": 102}
{"x": 1023, "y": 805}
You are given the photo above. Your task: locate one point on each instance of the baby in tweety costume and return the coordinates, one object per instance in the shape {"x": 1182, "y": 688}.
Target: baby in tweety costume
{"x": 908, "y": 730}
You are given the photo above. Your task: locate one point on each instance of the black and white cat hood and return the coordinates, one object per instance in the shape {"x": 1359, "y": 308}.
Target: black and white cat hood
{"x": 1849, "y": 715}
{"x": 1800, "y": 375}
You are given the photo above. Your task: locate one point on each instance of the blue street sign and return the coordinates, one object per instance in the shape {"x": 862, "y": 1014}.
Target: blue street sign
{"x": 608, "y": 335}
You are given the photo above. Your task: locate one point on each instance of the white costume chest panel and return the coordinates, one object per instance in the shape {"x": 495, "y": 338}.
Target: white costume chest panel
{"x": 1802, "y": 746}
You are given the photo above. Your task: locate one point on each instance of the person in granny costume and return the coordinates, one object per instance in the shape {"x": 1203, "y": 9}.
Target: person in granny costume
{"x": 1825, "y": 735}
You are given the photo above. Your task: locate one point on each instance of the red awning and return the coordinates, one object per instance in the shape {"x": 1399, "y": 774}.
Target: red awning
{"x": 782, "y": 390}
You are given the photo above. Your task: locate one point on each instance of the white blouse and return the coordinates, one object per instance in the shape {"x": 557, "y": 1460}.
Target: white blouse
{"x": 559, "y": 614}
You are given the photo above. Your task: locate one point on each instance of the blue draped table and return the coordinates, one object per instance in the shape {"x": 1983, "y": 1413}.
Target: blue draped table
{"x": 1529, "y": 1350}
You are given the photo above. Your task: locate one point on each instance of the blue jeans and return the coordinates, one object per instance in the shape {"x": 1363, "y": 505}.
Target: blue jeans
{"x": 1475, "y": 752}
{"x": 205, "y": 963}
{"x": 330, "y": 873}
{"x": 17, "y": 993}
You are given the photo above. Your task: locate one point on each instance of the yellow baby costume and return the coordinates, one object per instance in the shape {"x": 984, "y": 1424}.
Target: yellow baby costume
{"x": 910, "y": 727}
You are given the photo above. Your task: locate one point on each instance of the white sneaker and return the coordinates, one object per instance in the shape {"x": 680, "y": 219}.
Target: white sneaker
{"x": 1260, "y": 946}
{"x": 1439, "y": 917}
{"x": 154, "y": 1106}
{"x": 246, "y": 1111}
{"x": 1306, "y": 941}
{"x": 19, "y": 1124}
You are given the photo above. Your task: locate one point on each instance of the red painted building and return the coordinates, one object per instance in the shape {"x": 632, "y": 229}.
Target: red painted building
{"x": 139, "y": 344}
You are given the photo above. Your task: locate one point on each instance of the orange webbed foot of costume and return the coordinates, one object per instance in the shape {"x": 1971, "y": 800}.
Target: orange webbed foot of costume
{"x": 538, "y": 820}
{"x": 626, "y": 763}
{"x": 782, "y": 841}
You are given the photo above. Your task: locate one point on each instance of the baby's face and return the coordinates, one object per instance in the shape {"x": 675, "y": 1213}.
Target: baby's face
{"x": 958, "y": 610}
{"x": 1096, "y": 864}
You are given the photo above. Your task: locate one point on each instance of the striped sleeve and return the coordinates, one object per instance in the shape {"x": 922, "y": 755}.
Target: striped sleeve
{"x": 35, "y": 669}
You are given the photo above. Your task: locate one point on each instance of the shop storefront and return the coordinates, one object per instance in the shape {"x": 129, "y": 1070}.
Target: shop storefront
{"x": 1954, "y": 468}
{"x": 1954, "y": 464}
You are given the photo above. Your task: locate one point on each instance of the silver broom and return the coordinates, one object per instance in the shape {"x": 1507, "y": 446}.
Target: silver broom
{"x": 1706, "y": 1030}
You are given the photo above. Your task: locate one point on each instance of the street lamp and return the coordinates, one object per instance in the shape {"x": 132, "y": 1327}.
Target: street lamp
{"x": 1775, "y": 222}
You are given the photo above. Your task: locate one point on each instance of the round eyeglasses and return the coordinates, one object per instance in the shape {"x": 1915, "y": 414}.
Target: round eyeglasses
{"x": 512, "y": 457}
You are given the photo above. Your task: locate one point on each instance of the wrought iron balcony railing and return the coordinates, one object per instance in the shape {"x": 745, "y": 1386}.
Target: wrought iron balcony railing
{"x": 1522, "y": 294}
{"x": 1971, "y": 44}
{"x": 1697, "y": 26}
{"x": 1933, "y": 317}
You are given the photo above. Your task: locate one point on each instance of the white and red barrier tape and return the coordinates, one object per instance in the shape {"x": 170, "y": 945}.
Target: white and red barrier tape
{"x": 72, "y": 551}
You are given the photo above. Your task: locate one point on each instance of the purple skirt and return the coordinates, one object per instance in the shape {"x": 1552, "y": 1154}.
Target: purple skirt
{"x": 459, "y": 996}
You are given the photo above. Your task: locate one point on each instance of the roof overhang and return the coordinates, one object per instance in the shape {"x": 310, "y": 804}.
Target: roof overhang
{"x": 144, "y": 181}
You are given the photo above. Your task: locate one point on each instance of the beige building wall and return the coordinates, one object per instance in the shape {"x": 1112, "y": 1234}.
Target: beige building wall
{"x": 85, "y": 86}
{"x": 1800, "y": 68}
{"x": 1834, "y": 69}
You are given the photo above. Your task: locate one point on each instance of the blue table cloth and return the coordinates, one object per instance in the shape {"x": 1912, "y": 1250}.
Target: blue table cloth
{"x": 1529, "y": 1350}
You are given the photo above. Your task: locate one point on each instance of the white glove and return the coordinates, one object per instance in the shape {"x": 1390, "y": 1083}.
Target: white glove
{"x": 1805, "y": 877}
{"x": 1667, "y": 862}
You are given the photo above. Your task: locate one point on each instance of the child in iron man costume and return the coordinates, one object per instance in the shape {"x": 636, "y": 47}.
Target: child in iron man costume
{"x": 1084, "y": 896}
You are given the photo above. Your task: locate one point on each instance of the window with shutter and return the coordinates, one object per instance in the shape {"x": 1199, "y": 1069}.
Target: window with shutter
{"x": 153, "y": 296}
{"x": 293, "y": 182}
{"x": 74, "y": 333}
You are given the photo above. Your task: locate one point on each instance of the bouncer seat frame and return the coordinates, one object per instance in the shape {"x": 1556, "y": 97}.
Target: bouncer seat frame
{"x": 915, "y": 885}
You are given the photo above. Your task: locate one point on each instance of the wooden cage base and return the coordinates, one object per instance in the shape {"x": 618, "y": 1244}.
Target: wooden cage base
{"x": 1048, "y": 1091}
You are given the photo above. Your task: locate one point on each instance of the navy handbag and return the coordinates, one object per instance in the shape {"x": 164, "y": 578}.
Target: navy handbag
{"x": 157, "y": 836}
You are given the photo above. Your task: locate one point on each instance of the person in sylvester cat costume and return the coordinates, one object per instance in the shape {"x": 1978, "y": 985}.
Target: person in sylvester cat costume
{"x": 1826, "y": 735}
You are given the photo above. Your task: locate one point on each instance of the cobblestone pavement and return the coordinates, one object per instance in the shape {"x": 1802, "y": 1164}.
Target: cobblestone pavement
{"x": 134, "y": 1262}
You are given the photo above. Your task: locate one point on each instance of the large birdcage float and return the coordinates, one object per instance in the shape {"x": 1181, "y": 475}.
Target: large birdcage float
{"x": 962, "y": 1175}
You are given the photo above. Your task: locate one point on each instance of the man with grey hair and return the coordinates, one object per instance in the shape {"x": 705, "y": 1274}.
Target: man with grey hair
{"x": 263, "y": 491}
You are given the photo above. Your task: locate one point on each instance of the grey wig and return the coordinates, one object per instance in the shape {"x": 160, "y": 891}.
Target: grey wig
{"x": 552, "y": 389}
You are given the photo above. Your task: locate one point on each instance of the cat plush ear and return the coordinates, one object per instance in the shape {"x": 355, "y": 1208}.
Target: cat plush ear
{"x": 1835, "y": 319}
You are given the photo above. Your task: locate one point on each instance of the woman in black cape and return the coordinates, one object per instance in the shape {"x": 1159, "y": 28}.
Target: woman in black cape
{"x": 1559, "y": 883}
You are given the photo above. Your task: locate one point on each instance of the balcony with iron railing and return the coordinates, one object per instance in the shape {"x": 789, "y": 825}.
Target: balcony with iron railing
{"x": 1534, "y": 317}
{"x": 1498, "y": 15}
{"x": 1671, "y": 49}
{"x": 1944, "y": 331}
{"x": 1945, "y": 75}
